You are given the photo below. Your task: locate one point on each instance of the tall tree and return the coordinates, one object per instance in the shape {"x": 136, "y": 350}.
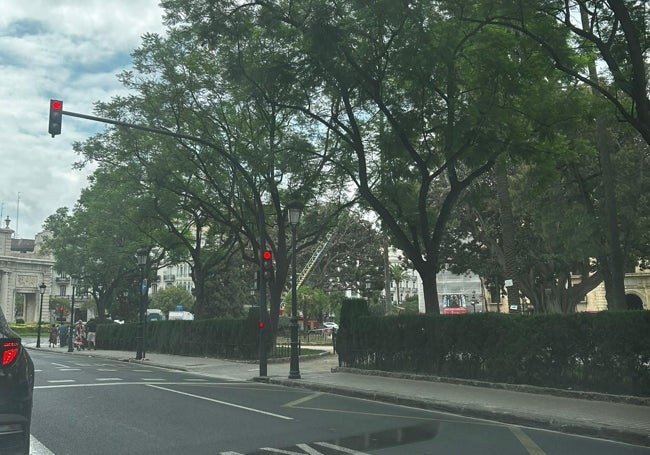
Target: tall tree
{"x": 614, "y": 33}
{"x": 98, "y": 240}
{"x": 236, "y": 162}
{"x": 350, "y": 66}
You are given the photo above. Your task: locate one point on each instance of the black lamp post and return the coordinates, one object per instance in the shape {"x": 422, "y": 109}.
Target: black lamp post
{"x": 74, "y": 279}
{"x": 294, "y": 210}
{"x": 143, "y": 256}
{"x": 41, "y": 289}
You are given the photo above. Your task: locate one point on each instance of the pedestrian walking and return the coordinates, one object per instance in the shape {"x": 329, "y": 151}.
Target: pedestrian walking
{"x": 63, "y": 335}
{"x": 91, "y": 329}
{"x": 54, "y": 335}
{"x": 79, "y": 335}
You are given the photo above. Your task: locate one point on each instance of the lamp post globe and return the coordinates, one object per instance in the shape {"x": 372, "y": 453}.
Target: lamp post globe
{"x": 41, "y": 289}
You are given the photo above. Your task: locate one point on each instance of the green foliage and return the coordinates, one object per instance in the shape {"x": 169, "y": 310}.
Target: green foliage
{"x": 352, "y": 309}
{"x": 314, "y": 303}
{"x": 228, "y": 338}
{"x": 603, "y": 352}
{"x": 411, "y": 305}
{"x": 23, "y": 329}
{"x": 166, "y": 299}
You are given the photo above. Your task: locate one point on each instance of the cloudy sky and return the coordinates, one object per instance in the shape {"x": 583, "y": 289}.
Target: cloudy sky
{"x": 65, "y": 49}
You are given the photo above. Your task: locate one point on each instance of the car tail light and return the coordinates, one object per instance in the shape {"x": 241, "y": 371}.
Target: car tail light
{"x": 10, "y": 349}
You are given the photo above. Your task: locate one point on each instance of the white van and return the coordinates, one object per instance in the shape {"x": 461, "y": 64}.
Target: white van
{"x": 180, "y": 316}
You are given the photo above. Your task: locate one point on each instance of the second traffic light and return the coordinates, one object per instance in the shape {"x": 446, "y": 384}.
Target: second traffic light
{"x": 267, "y": 264}
{"x": 56, "y": 115}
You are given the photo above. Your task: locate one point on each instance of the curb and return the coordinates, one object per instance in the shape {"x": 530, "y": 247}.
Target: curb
{"x": 548, "y": 423}
{"x": 566, "y": 393}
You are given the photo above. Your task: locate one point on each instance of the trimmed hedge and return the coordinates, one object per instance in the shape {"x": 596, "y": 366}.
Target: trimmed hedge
{"x": 229, "y": 338}
{"x": 604, "y": 352}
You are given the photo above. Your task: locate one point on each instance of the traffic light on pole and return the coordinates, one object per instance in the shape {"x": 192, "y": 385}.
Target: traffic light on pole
{"x": 56, "y": 114}
{"x": 267, "y": 264}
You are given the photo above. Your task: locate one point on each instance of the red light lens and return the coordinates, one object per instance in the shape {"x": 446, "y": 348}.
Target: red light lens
{"x": 266, "y": 255}
{"x": 260, "y": 325}
{"x": 56, "y": 105}
{"x": 9, "y": 352}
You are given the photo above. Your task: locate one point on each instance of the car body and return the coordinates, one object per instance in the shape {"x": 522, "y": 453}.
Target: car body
{"x": 331, "y": 325}
{"x": 16, "y": 392}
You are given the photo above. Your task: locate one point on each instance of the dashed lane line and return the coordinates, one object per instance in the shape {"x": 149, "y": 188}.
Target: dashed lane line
{"x": 531, "y": 447}
{"x": 302, "y": 400}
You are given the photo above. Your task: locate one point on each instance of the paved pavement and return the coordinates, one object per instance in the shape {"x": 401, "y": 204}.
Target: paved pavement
{"x": 625, "y": 419}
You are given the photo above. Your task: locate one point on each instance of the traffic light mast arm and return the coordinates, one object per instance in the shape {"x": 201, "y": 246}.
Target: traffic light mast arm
{"x": 258, "y": 200}
{"x": 138, "y": 127}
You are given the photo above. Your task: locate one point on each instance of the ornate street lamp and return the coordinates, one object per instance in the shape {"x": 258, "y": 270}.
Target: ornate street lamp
{"x": 143, "y": 257}
{"x": 41, "y": 289}
{"x": 74, "y": 279}
{"x": 294, "y": 211}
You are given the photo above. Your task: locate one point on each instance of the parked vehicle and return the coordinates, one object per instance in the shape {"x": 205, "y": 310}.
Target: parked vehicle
{"x": 454, "y": 310}
{"x": 155, "y": 314}
{"x": 180, "y": 316}
{"x": 331, "y": 325}
{"x": 16, "y": 392}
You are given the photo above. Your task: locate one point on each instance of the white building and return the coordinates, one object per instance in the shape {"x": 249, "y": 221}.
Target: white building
{"x": 23, "y": 269}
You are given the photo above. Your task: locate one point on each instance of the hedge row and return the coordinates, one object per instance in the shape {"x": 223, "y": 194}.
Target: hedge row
{"x": 228, "y": 338}
{"x": 605, "y": 352}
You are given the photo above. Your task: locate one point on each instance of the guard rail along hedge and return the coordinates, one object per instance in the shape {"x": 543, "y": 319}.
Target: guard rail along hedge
{"x": 606, "y": 352}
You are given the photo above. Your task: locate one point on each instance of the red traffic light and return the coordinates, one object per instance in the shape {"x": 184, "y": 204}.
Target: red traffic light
{"x": 260, "y": 325}
{"x": 267, "y": 255}
{"x": 56, "y": 113}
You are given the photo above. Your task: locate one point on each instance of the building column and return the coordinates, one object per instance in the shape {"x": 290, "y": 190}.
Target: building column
{"x": 4, "y": 297}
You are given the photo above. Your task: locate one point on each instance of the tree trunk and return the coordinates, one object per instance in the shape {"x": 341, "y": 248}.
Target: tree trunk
{"x": 430, "y": 290}
{"x": 613, "y": 266}
{"x": 507, "y": 232}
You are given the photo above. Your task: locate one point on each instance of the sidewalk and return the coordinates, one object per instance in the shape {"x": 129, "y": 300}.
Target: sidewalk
{"x": 585, "y": 414}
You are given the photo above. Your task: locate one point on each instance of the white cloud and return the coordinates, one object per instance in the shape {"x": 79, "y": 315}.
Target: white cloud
{"x": 70, "y": 50}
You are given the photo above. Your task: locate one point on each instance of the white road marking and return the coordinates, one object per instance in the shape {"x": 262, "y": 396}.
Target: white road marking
{"x": 69, "y": 369}
{"x": 95, "y": 384}
{"x": 310, "y": 451}
{"x": 340, "y": 449}
{"x": 109, "y": 379}
{"x": 153, "y": 379}
{"x": 106, "y": 369}
{"x": 37, "y": 448}
{"x": 61, "y": 380}
{"x": 225, "y": 403}
{"x": 196, "y": 380}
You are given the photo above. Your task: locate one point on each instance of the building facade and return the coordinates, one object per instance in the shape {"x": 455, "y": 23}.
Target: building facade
{"x": 22, "y": 270}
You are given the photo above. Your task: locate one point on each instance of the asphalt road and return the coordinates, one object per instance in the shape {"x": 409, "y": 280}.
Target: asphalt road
{"x": 88, "y": 405}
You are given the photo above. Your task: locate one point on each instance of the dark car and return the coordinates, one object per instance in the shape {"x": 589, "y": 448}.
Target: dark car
{"x": 16, "y": 392}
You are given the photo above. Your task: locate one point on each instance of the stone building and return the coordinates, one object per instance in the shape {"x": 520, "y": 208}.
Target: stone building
{"x": 22, "y": 270}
